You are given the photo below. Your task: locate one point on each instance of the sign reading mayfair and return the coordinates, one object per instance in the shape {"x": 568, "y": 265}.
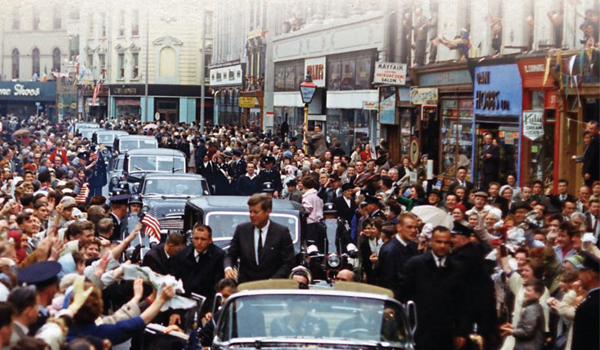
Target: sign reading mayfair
{"x": 390, "y": 73}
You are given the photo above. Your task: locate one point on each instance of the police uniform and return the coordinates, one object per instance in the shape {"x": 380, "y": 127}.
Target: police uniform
{"x": 40, "y": 275}
{"x": 237, "y": 169}
{"x": 272, "y": 176}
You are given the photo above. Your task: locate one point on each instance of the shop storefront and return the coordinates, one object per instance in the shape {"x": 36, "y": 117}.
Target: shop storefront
{"x": 227, "y": 82}
{"x": 579, "y": 103}
{"x": 66, "y": 100}
{"x": 172, "y": 103}
{"x": 497, "y": 109}
{"x": 95, "y": 109}
{"x": 24, "y": 99}
{"x": 443, "y": 115}
{"x": 539, "y": 139}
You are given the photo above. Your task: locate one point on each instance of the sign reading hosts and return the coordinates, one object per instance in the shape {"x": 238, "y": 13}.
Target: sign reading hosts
{"x": 390, "y": 73}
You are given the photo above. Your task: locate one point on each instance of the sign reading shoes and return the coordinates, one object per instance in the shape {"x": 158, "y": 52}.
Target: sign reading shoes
{"x": 19, "y": 90}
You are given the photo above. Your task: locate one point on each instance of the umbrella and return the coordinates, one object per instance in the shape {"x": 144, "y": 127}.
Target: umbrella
{"x": 150, "y": 126}
{"x": 433, "y": 215}
{"x": 21, "y": 132}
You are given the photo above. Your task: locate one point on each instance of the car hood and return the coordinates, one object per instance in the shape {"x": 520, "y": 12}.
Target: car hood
{"x": 301, "y": 344}
{"x": 167, "y": 205}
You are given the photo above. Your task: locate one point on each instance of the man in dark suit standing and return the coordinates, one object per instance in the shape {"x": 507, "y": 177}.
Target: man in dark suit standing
{"x": 559, "y": 199}
{"x": 436, "y": 284}
{"x": 345, "y": 204}
{"x": 461, "y": 180}
{"x": 161, "y": 259}
{"x": 200, "y": 266}
{"x": 237, "y": 168}
{"x": 490, "y": 160}
{"x": 118, "y": 212}
{"x": 593, "y": 219}
{"x": 591, "y": 162}
{"x": 587, "y": 316}
{"x": 395, "y": 253}
{"x": 264, "y": 248}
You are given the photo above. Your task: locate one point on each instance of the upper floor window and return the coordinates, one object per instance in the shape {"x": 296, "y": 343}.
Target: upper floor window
{"x": 15, "y": 64}
{"x": 57, "y": 18}
{"x": 36, "y": 19}
{"x": 35, "y": 58}
{"x": 56, "y": 60}
{"x": 121, "y": 23}
{"x": 16, "y": 24}
{"x": 135, "y": 23}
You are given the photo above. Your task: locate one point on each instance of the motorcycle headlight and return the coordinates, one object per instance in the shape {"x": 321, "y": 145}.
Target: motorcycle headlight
{"x": 333, "y": 260}
{"x": 114, "y": 181}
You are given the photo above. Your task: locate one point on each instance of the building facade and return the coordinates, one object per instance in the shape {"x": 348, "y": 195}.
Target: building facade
{"x": 35, "y": 49}
{"x": 154, "y": 44}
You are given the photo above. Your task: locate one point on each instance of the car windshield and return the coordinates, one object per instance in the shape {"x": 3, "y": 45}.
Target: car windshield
{"x": 126, "y": 145}
{"x": 156, "y": 163}
{"x": 118, "y": 164}
{"x": 168, "y": 186}
{"x": 106, "y": 138}
{"x": 87, "y": 133}
{"x": 223, "y": 224}
{"x": 359, "y": 320}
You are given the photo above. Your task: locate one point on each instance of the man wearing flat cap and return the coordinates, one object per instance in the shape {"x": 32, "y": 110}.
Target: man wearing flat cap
{"x": 269, "y": 174}
{"x": 479, "y": 286}
{"x": 42, "y": 275}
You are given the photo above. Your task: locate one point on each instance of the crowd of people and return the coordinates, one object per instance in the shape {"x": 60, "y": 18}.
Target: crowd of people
{"x": 505, "y": 266}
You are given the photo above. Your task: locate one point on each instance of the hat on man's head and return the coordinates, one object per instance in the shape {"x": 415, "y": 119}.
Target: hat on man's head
{"x": 268, "y": 187}
{"x": 347, "y": 186}
{"x": 119, "y": 199}
{"x": 228, "y": 154}
{"x": 237, "y": 152}
{"x": 372, "y": 200}
{"x": 39, "y": 273}
{"x": 461, "y": 230}
{"x": 576, "y": 260}
{"x": 83, "y": 155}
{"x": 329, "y": 208}
{"x": 269, "y": 159}
{"x": 481, "y": 194}
{"x": 436, "y": 192}
{"x": 68, "y": 202}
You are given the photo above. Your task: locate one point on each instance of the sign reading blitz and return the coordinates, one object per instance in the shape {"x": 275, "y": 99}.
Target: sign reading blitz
{"x": 497, "y": 90}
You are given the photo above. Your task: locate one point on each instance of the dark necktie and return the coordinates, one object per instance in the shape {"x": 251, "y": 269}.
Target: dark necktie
{"x": 260, "y": 243}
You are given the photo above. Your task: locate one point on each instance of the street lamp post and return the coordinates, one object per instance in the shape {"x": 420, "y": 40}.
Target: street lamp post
{"x": 307, "y": 92}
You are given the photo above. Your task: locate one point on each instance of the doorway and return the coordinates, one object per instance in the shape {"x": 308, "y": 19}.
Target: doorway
{"x": 505, "y": 135}
{"x": 168, "y": 110}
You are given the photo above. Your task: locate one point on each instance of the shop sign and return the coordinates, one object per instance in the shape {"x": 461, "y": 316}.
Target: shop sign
{"x": 414, "y": 152}
{"x": 445, "y": 78}
{"x": 315, "y": 67}
{"x": 533, "y": 124}
{"x": 370, "y": 105}
{"x": 125, "y": 90}
{"x": 226, "y": 76}
{"x": 247, "y": 102}
{"x": 424, "y": 96}
{"x": 390, "y": 73}
{"x": 30, "y": 91}
{"x": 498, "y": 90}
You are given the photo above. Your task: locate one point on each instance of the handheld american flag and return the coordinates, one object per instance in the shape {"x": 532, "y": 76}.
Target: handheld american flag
{"x": 83, "y": 194}
{"x": 151, "y": 226}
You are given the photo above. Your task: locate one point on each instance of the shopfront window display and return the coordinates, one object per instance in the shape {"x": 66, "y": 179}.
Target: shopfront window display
{"x": 349, "y": 126}
{"x": 457, "y": 135}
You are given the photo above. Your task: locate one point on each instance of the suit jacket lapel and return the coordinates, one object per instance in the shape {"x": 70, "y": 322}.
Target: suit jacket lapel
{"x": 269, "y": 242}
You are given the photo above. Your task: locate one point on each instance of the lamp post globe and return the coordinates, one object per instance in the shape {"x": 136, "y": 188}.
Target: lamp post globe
{"x": 307, "y": 92}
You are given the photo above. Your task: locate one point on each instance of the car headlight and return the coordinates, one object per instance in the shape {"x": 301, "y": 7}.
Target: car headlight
{"x": 114, "y": 181}
{"x": 333, "y": 260}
